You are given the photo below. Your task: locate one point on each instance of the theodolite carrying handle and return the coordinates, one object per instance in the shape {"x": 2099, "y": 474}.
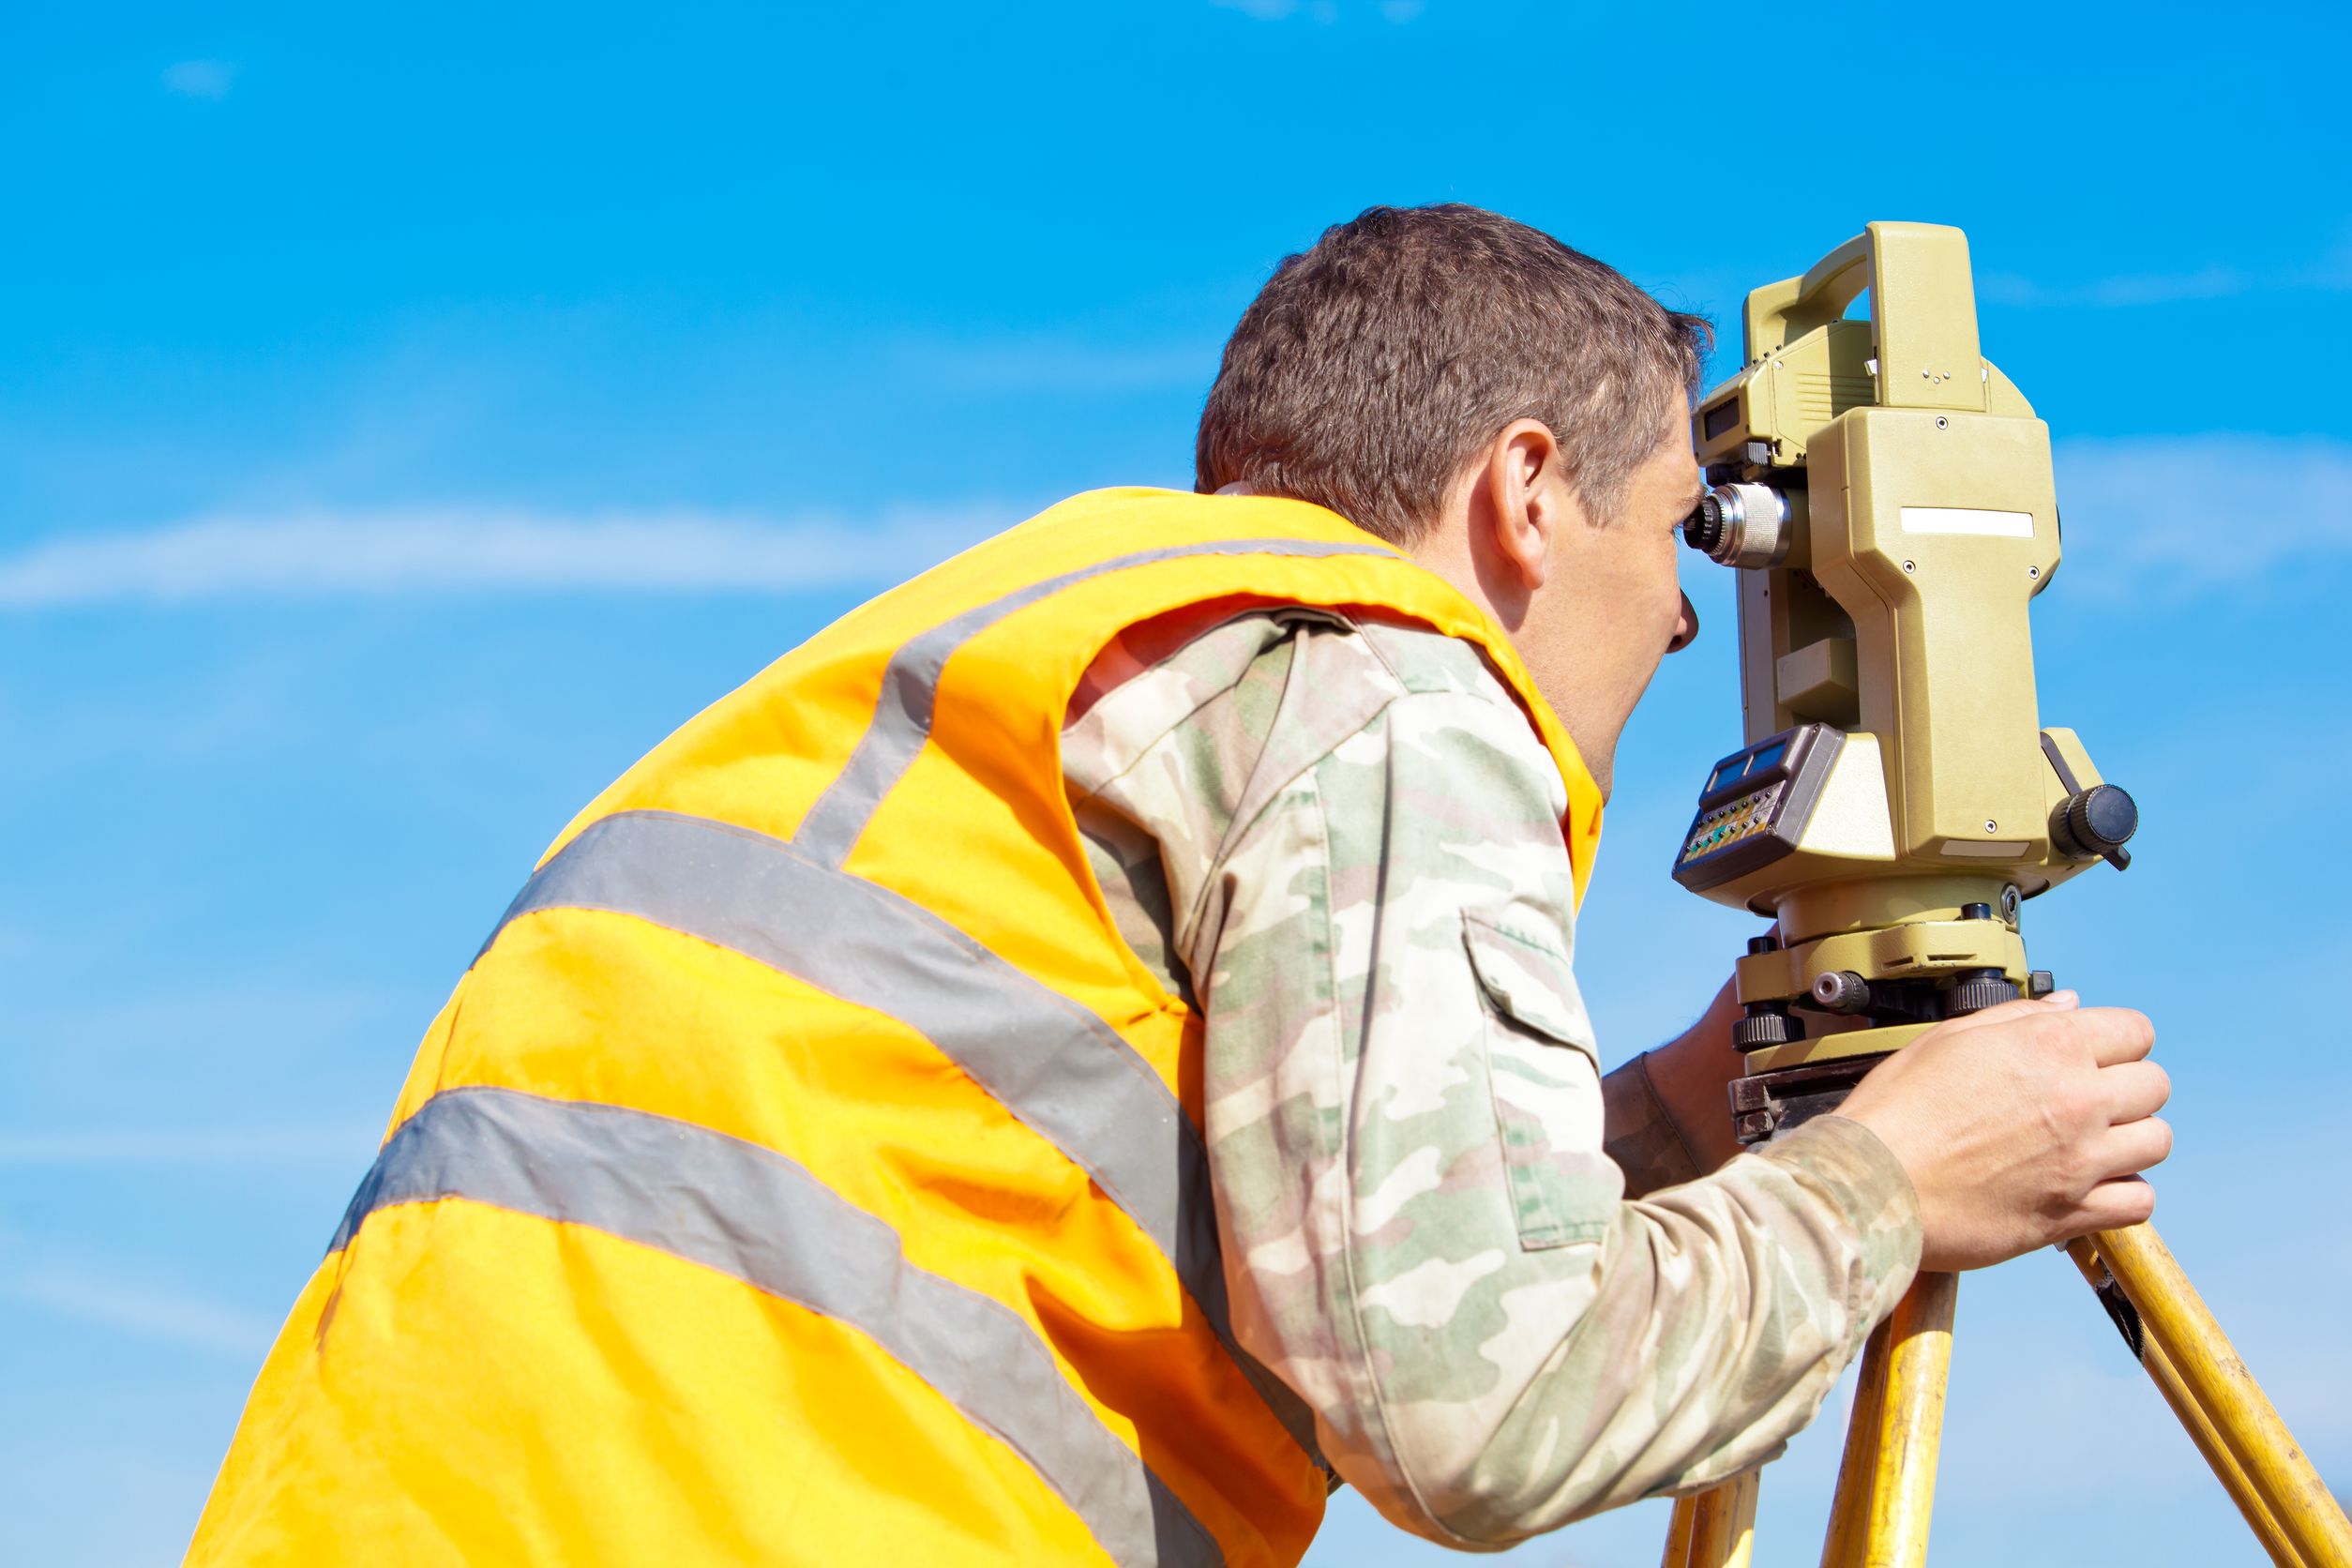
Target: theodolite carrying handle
{"x": 1922, "y": 312}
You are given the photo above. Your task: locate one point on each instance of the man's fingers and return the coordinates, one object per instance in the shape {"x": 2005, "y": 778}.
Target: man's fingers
{"x": 2113, "y": 1205}
{"x": 2012, "y": 1012}
{"x": 2128, "y": 1149}
{"x": 2133, "y": 1090}
{"x": 2117, "y": 1034}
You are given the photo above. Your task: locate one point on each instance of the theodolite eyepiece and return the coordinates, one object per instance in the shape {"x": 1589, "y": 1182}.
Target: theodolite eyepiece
{"x": 1741, "y": 525}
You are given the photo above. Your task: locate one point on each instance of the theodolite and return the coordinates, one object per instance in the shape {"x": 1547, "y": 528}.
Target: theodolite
{"x": 1886, "y": 496}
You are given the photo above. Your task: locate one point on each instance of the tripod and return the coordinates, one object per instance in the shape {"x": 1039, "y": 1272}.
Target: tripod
{"x": 1886, "y": 1483}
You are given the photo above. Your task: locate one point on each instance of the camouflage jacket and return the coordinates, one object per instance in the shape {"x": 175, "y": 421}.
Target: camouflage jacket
{"x": 1341, "y": 839}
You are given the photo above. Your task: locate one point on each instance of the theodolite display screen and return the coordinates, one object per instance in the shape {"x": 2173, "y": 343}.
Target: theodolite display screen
{"x": 1756, "y": 763}
{"x": 1754, "y": 807}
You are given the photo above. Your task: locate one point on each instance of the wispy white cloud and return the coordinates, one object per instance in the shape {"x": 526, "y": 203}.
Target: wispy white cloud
{"x": 1053, "y": 364}
{"x": 2191, "y": 514}
{"x": 137, "y": 1309}
{"x": 1322, "y": 12}
{"x": 2182, "y": 514}
{"x": 460, "y": 549}
{"x": 2332, "y": 273}
{"x": 185, "y": 1146}
{"x": 2146, "y": 288}
{"x": 199, "y": 79}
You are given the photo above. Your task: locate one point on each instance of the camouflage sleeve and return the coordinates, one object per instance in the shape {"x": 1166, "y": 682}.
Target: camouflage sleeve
{"x": 1424, "y": 1235}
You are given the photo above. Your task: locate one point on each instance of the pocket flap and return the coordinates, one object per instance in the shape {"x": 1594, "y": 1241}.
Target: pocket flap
{"x": 1529, "y": 983}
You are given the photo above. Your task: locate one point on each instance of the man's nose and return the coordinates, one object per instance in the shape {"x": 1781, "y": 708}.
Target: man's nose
{"x": 1686, "y": 629}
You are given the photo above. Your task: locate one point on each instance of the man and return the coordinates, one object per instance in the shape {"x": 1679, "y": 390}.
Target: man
{"x": 1085, "y": 1051}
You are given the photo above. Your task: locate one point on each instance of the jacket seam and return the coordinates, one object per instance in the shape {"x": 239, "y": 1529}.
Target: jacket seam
{"x": 1240, "y": 829}
{"x": 1291, "y": 635}
{"x": 1402, "y": 1472}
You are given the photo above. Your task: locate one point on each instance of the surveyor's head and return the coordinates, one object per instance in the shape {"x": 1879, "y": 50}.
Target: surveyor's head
{"x": 1510, "y": 411}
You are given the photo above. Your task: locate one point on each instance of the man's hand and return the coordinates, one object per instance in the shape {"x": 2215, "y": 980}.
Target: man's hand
{"x": 1691, "y": 1074}
{"x": 2022, "y": 1125}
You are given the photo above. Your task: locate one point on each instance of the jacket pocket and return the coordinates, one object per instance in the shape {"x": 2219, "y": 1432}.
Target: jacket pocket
{"x": 1542, "y": 1069}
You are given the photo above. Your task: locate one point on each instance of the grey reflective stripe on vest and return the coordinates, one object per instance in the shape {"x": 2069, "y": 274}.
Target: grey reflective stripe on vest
{"x": 754, "y": 1216}
{"x": 910, "y": 688}
{"x": 1063, "y": 1072}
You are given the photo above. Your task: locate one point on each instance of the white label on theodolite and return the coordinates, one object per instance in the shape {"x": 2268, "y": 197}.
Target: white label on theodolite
{"x": 1963, "y": 519}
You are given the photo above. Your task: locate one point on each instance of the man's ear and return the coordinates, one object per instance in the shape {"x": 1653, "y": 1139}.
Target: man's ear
{"x": 1528, "y": 499}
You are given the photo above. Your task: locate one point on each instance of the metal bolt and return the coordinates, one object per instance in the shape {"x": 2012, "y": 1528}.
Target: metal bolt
{"x": 1942, "y": 422}
{"x": 1991, "y": 826}
{"x": 1910, "y": 566}
{"x": 2033, "y": 572}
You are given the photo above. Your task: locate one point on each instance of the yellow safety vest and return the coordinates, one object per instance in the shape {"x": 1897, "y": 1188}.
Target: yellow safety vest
{"x": 805, "y": 1171}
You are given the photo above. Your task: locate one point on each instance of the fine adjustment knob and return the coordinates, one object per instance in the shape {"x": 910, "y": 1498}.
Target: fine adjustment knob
{"x": 1977, "y": 989}
{"x": 1769, "y": 1025}
{"x": 1841, "y": 990}
{"x": 2099, "y": 821}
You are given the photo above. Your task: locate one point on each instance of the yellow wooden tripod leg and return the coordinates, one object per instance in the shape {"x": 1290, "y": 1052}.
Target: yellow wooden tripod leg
{"x": 1849, "y": 1512}
{"x": 1910, "y": 1424}
{"x": 2179, "y": 1324}
{"x": 2167, "y": 1379}
{"x": 1678, "y": 1546}
{"x": 1723, "y": 1524}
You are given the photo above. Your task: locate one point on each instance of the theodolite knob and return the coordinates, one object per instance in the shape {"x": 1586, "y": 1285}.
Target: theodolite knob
{"x": 1841, "y": 990}
{"x": 1976, "y": 990}
{"x": 1767, "y": 1025}
{"x": 2099, "y": 821}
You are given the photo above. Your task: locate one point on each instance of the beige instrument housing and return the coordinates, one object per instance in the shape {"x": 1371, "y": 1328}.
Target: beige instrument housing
{"x": 1923, "y": 520}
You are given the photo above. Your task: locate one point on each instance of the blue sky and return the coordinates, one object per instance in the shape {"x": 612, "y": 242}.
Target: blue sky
{"x": 407, "y": 417}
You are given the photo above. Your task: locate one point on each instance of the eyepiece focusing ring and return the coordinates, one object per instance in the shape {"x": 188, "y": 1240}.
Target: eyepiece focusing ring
{"x": 1739, "y": 525}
